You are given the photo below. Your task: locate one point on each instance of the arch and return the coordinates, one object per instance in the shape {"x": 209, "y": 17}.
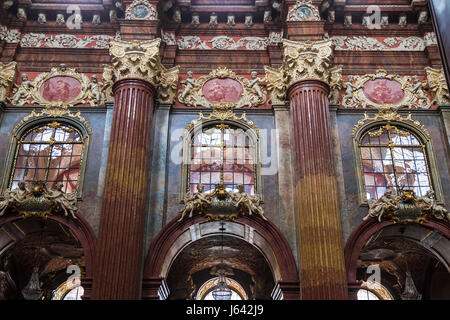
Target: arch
{"x": 371, "y": 227}
{"x": 413, "y": 126}
{"x": 34, "y": 120}
{"x": 175, "y": 236}
{"x": 80, "y": 227}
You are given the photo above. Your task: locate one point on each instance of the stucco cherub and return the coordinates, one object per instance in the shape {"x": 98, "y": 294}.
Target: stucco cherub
{"x": 378, "y": 207}
{"x": 23, "y": 92}
{"x": 254, "y": 84}
{"x": 17, "y": 195}
{"x": 249, "y": 203}
{"x": 66, "y": 202}
{"x": 428, "y": 202}
{"x": 349, "y": 90}
{"x": 95, "y": 91}
{"x": 194, "y": 202}
{"x": 189, "y": 85}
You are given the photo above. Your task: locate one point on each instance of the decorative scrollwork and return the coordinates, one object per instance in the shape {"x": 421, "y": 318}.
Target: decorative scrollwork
{"x": 221, "y": 204}
{"x": 406, "y": 207}
{"x": 438, "y": 86}
{"x": 39, "y": 201}
{"x": 251, "y": 94}
{"x": 7, "y": 75}
{"x": 383, "y": 90}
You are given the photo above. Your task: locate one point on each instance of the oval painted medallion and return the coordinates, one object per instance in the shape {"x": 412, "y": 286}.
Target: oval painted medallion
{"x": 222, "y": 90}
{"x": 384, "y": 91}
{"x": 63, "y": 89}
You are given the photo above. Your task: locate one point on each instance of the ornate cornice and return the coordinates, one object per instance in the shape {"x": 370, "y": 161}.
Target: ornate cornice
{"x": 307, "y": 60}
{"x": 7, "y": 74}
{"x": 140, "y": 59}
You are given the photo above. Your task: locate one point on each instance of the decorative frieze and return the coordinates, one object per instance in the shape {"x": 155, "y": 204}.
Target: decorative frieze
{"x": 40, "y": 40}
{"x": 361, "y": 43}
{"x": 9, "y": 35}
{"x": 383, "y": 90}
{"x": 222, "y": 42}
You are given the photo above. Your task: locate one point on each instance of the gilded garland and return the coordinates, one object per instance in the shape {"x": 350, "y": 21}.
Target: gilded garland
{"x": 7, "y": 75}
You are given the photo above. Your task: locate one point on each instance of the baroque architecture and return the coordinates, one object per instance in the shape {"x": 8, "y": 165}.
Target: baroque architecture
{"x": 235, "y": 149}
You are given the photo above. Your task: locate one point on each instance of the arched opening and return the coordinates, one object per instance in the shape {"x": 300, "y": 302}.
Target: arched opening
{"x": 399, "y": 261}
{"x": 185, "y": 255}
{"x": 202, "y": 261}
{"x": 56, "y": 252}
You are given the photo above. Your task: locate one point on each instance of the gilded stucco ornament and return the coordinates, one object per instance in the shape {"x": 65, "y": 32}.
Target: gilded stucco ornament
{"x": 140, "y": 59}
{"x": 307, "y": 60}
{"x": 221, "y": 112}
{"x": 61, "y": 86}
{"x": 388, "y": 116}
{"x": 222, "y": 204}
{"x": 7, "y": 74}
{"x": 39, "y": 201}
{"x": 276, "y": 85}
{"x": 198, "y": 92}
{"x": 336, "y": 84}
{"x": 406, "y": 207}
{"x": 303, "y": 11}
{"x": 54, "y": 112}
{"x": 438, "y": 86}
{"x": 385, "y": 91}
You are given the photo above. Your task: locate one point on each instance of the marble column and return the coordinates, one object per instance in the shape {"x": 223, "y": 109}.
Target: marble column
{"x": 136, "y": 73}
{"x": 320, "y": 248}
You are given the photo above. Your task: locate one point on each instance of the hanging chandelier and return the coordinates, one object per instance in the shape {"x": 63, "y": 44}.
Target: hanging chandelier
{"x": 222, "y": 292}
{"x": 32, "y": 290}
{"x": 410, "y": 291}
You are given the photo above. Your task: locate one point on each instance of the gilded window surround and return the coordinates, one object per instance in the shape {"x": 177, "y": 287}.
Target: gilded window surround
{"x": 36, "y": 119}
{"x": 392, "y": 117}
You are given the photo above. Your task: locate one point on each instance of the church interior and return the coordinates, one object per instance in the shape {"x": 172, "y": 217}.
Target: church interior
{"x": 224, "y": 150}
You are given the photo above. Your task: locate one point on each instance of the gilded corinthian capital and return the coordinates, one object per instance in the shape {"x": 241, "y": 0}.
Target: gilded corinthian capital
{"x": 140, "y": 59}
{"x": 307, "y": 60}
{"x": 7, "y": 75}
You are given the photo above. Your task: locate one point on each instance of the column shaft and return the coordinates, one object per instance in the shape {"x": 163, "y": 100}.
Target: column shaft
{"x": 321, "y": 253}
{"x": 120, "y": 245}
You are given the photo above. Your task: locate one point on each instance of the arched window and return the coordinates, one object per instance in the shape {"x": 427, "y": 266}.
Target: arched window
{"x": 222, "y": 154}
{"x": 393, "y": 157}
{"x": 47, "y": 149}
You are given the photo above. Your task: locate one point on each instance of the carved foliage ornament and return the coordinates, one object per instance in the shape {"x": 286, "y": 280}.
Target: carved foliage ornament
{"x": 307, "y": 60}
{"x": 7, "y": 74}
{"x": 141, "y": 10}
{"x": 438, "y": 86}
{"x": 221, "y": 86}
{"x": 382, "y": 90}
{"x": 303, "y": 11}
{"x": 39, "y": 201}
{"x": 140, "y": 59}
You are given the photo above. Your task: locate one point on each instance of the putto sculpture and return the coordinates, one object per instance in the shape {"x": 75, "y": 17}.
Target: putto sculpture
{"x": 406, "y": 207}
{"x": 221, "y": 204}
{"x": 39, "y": 201}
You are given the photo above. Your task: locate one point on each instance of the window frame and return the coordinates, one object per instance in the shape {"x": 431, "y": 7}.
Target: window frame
{"x": 23, "y": 128}
{"x": 252, "y": 134}
{"x": 423, "y": 138}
